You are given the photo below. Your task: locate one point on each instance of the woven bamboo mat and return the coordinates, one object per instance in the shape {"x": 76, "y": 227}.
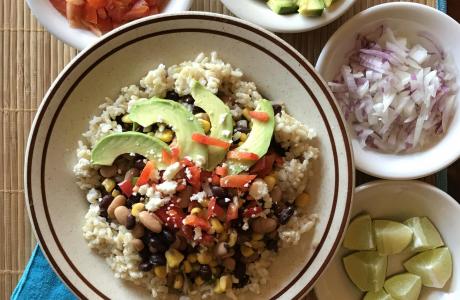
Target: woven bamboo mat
{"x": 31, "y": 59}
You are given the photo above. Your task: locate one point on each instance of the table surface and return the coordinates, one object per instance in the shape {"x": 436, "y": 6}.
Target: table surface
{"x": 30, "y": 60}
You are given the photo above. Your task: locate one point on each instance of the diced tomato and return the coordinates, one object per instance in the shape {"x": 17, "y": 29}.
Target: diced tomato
{"x": 192, "y": 205}
{"x": 187, "y": 232}
{"x": 90, "y": 14}
{"x": 145, "y": 174}
{"x": 206, "y": 239}
{"x": 215, "y": 179}
{"x": 232, "y": 212}
{"x": 214, "y": 210}
{"x": 182, "y": 185}
{"x": 279, "y": 161}
{"x": 236, "y": 181}
{"x": 60, "y": 5}
{"x": 166, "y": 156}
{"x": 196, "y": 221}
{"x": 126, "y": 187}
{"x": 97, "y": 3}
{"x": 140, "y": 9}
{"x": 207, "y": 140}
{"x": 264, "y": 165}
{"x": 116, "y": 9}
{"x": 195, "y": 178}
{"x": 221, "y": 171}
{"x": 242, "y": 155}
{"x": 175, "y": 152}
{"x": 186, "y": 162}
{"x": 252, "y": 212}
{"x": 259, "y": 116}
{"x": 171, "y": 216}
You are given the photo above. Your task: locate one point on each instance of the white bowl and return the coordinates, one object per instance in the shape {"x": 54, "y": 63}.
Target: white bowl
{"x": 399, "y": 200}
{"x": 57, "y": 206}
{"x": 409, "y": 19}
{"x": 59, "y": 26}
{"x": 259, "y": 13}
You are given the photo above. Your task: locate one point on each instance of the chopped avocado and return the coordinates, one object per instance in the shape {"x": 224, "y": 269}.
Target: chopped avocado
{"x": 328, "y": 3}
{"x": 258, "y": 140}
{"x": 221, "y": 121}
{"x": 111, "y": 146}
{"x": 283, "y": 7}
{"x": 311, "y": 8}
{"x": 147, "y": 112}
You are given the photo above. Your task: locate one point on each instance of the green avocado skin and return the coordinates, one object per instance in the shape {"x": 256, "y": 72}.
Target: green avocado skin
{"x": 220, "y": 118}
{"x": 258, "y": 140}
{"x": 113, "y": 145}
{"x": 155, "y": 110}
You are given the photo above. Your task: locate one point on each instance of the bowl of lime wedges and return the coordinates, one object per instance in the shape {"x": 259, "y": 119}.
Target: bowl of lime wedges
{"x": 402, "y": 243}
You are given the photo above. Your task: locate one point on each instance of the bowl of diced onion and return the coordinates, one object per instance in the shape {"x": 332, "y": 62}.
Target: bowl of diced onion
{"x": 394, "y": 70}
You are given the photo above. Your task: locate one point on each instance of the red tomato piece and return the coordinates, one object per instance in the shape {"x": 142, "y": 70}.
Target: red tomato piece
{"x": 215, "y": 179}
{"x": 60, "y": 5}
{"x": 206, "y": 239}
{"x": 196, "y": 221}
{"x": 242, "y": 155}
{"x": 139, "y": 10}
{"x": 145, "y": 174}
{"x": 264, "y": 166}
{"x": 252, "y": 212}
{"x": 171, "y": 216}
{"x": 259, "y": 116}
{"x": 207, "y": 140}
{"x": 175, "y": 152}
{"x": 222, "y": 171}
{"x": 232, "y": 212}
{"x": 126, "y": 187}
{"x": 166, "y": 156}
{"x": 195, "y": 178}
{"x": 236, "y": 181}
{"x": 97, "y": 3}
{"x": 214, "y": 210}
{"x": 187, "y": 232}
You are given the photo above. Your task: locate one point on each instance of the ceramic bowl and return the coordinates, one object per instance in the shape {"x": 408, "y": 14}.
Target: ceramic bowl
{"x": 409, "y": 19}
{"x": 259, "y": 13}
{"x": 400, "y": 200}
{"x": 59, "y": 26}
{"x": 57, "y": 206}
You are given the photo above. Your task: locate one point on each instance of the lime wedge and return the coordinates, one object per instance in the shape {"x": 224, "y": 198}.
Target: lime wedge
{"x": 433, "y": 266}
{"x": 391, "y": 237}
{"x": 404, "y": 286}
{"x": 426, "y": 236}
{"x": 359, "y": 234}
{"x": 380, "y": 295}
{"x": 366, "y": 269}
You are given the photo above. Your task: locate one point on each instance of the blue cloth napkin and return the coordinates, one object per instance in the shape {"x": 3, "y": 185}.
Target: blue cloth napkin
{"x": 40, "y": 282}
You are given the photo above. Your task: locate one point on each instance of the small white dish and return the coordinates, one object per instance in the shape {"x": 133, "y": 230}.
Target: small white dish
{"x": 259, "y": 13}
{"x": 399, "y": 200}
{"x": 408, "y": 19}
{"x": 58, "y": 25}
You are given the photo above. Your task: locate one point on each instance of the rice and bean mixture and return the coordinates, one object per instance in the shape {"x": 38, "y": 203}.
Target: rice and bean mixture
{"x": 223, "y": 257}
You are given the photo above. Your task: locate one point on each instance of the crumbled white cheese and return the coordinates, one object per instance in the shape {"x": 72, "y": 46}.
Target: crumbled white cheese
{"x": 188, "y": 173}
{"x": 198, "y": 233}
{"x": 245, "y": 224}
{"x": 150, "y": 192}
{"x": 156, "y": 201}
{"x": 167, "y": 187}
{"x": 200, "y": 197}
{"x": 171, "y": 171}
{"x": 93, "y": 195}
{"x": 143, "y": 189}
{"x": 258, "y": 189}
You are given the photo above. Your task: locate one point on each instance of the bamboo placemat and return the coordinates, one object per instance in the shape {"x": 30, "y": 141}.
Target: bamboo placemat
{"x": 31, "y": 59}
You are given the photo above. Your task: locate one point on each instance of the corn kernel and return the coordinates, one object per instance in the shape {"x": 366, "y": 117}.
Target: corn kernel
{"x": 246, "y": 251}
{"x": 213, "y": 263}
{"x": 257, "y": 236}
{"x": 191, "y": 257}
{"x": 108, "y": 184}
{"x": 137, "y": 208}
{"x": 232, "y": 238}
{"x": 246, "y": 114}
{"x": 173, "y": 258}
{"x": 199, "y": 281}
{"x": 270, "y": 181}
{"x": 195, "y": 211}
{"x": 225, "y": 282}
{"x": 216, "y": 225}
{"x": 204, "y": 258}
{"x": 223, "y": 237}
{"x": 203, "y": 116}
{"x": 258, "y": 245}
{"x": 205, "y": 125}
{"x": 166, "y": 135}
{"x": 243, "y": 137}
{"x": 187, "y": 266}
{"x": 240, "y": 143}
{"x": 126, "y": 119}
{"x": 302, "y": 200}
{"x": 160, "y": 271}
{"x": 178, "y": 281}
{"x": 115, "y": 193}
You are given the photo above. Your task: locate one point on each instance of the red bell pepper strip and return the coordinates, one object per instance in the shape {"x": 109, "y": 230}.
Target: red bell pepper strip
{"x": 236, "y": 181}
{"x": 259, "y": 116}
{"x": 239, "y": 155}
{"x": 252, "y": 212}
{"x": 207, "y": 140}
{"x": 232, "y": 212}
{"x": 126, "y": 187}
{"x": 195, "y": 178}
{"x": 221, "y": 171}
{"x": 214, "y": 210}
{"x": 171, "y": 216}
{"x": 145, "y": 174}
{"x": 195, "y": 221}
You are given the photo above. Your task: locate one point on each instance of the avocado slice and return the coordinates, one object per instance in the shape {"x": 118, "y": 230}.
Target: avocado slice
{"x": 258, "y": 140}
{"x": 311, "y": 8}
{"x": 328, "y": 3}
{"x": 149, "y": 111}
{"x": 111, "y": 146}
{"x": 221, "y": 121}
{"x": 283, "y": 7}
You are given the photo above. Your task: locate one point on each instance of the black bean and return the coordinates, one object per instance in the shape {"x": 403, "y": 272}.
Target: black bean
{"x": 240, "y": 270}
{"x": 277, "y": 108}
{"x": 139, "y": 164}
{"x": 197, "y": 110}
{"x": 242, "y": 282}
{"x": 243, "y": 129}
{"x": 223, "y": 202}
{"x": 286, "y": 214}
{"x": 277, "y": 148}
{"x": 157, "y": 245}
{"x": 205, "y": 272}
{"x": 219, "y": 192}
{"x": 172, "y": 95}
{"x": 145, "y": 266}
{"x": 243, "y": 237}
{"x": 272, "y": 245}
{"x": 130, "y": 222}
{"x": 145, "y": 254}
{"x": 168, "y": 236}
{"x": 188, "y": 99}
{"x": 105, "y": 202}
{"x": 133, "y": 199}
{"x": 157, "y": 260}
{"x": 104, "y": 214}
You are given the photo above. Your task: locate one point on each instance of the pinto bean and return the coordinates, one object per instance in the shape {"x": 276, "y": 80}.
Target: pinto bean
{"x": 119, "y": 200}
{"x": 121, "y": 214}
{"x": 150, "y": 221}
{"x": 264, "y": 225}
{"x": 108, "y": 171}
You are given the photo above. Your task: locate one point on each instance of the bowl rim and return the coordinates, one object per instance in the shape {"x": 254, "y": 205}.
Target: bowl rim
{"x": 361, "y": 163}
{"x": 341, "y": 220}
{"x": 71, "y": 36}
{"x": 304, "y": 27}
